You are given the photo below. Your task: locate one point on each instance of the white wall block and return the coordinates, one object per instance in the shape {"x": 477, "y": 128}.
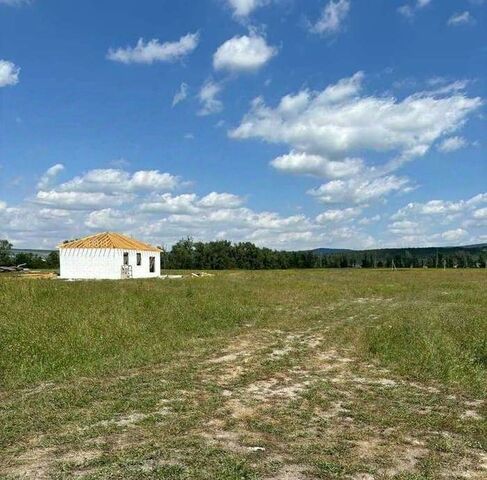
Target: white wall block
{"x": 105, "y": 263}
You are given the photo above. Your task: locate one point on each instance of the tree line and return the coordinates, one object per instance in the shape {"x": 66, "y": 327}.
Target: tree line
{"x": 442, "y": 257}
{"x": 224, "y": 255}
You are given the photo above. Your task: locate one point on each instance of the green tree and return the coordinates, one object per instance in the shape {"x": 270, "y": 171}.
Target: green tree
{"x": 182, "y": 254}
{"x": 30, "y": 260}
{"x": 52, "y": 260}
{"x": 5, "y": 252}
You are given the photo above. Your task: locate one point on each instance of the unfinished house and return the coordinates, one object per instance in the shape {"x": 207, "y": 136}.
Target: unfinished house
{"x": 108, "y": 255}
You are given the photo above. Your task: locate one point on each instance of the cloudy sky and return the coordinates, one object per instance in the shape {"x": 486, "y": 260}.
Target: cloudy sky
{"x": 289, "y": 123}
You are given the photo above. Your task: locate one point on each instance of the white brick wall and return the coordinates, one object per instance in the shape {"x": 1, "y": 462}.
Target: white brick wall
{"x": 104, "y": 263}
{"x": 142, "y": 271}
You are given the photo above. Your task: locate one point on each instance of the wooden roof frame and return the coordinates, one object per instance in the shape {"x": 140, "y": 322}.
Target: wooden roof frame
{"x": 110, "y": 240}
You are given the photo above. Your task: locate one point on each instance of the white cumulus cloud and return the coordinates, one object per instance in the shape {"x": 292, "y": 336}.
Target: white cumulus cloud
{"x": 360, "y": 191}
{"x": 140, "y": 204}
{"x": 441, "y": 222}
{"x": 168, "y": 203}
{"x": 95, "y": 187}
{"x": 451, "y": 144}
{"x": 243, "y": 8}
{"x": 50, "y": 175}
{"x": 480, "y": 214}
{"x": 143, "y": 204}
{"x": 338, "y": 215}
{"x": 408, "y": 10}
{"x": 369, "y": 220}
{"x": 180, "y": 95}
{"x": 339, "y": 120}
{"x": 190, "y": 203}
{"x": 331, "y": 133}
{"x": 405, "y": 227}
{"x": 440, "y": 208}
{"x": 220, "y": 200}
{"x": 78, "y": 200}
{"x": 454, "y": 235}
{"x": 309, "y": 164}
{"x": 207, "y": 96}
{"x": 154, "y": 51}
{"x": 332, "y": 17}
{"x": 108, "y": 219}
{"x": 243, "y": 54}
{"x": 327, "y": 130}
{"x": 9, "y": 73}
{"x": 462, "y": 18}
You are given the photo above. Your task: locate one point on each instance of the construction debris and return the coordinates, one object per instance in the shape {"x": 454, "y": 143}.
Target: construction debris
{"x": 18, "y": 268}
{"x": 42, "y": 275}
{"x": 32, "y": 274}
{"x": 190, "y": 275}
{"x": 26, "y": 273}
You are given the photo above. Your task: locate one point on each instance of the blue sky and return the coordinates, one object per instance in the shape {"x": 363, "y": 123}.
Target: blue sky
{"x": 289, "y": 123}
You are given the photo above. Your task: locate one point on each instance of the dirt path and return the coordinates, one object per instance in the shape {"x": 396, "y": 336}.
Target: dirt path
{"x": 269, "y": 405}
{"x": 326, "y": 400}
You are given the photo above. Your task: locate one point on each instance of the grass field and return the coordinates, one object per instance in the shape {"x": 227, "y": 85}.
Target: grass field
{"x": 323, "y": 374}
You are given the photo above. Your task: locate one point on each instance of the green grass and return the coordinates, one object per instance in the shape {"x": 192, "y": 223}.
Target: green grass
{"x": 52, "y": 329}
{"x": 427, "y": 324}
{"x": 335, "y": 373}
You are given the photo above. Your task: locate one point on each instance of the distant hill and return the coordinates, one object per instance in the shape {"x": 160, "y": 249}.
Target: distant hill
{"x": 324, "y": 251}
{"x": 481, "y": 247}
{"x": 33, "y": 251}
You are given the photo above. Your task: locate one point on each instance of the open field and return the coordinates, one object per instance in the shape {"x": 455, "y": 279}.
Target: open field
{"x": 317, "y": 374}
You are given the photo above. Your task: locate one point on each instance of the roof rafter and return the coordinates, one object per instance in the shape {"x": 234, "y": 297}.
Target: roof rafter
{"x": 109, "y": 240}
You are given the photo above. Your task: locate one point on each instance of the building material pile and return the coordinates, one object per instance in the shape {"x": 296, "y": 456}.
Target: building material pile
{"x": 189, "y": 275}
